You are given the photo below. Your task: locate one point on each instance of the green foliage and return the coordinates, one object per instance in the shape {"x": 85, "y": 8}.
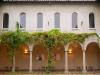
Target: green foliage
{"x": 49, "y": 39}
{"x": 13, "y": 40}
{"x": 72, "y": 37}
{"x": 17, "y": 27}
{"x": 51, "y": 62}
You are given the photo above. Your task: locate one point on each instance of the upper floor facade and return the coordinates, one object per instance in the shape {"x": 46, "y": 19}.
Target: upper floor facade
{"x": 68, "y": 17}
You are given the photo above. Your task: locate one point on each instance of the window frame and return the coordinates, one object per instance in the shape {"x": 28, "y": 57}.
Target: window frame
{"x": 75, "y": 15}
{"x": 93, "y": 15}
{"x": 39, "y": 26}
{"x": 4, "y": 28}
{"x": 55, "y": 15}
{"x": 22, "y": 28}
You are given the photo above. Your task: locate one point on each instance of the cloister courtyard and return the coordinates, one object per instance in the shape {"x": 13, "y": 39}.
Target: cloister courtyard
{"x": 49, "y": 37}
{"x": 40, "y": 55}
{"x": 72, "y": 58}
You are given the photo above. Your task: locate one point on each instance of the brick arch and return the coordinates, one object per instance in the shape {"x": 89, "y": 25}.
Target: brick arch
{"x": 39, "y": 57}
{"x": 75, "y": 56}
{"x": 59, "y": 57}
{"x": 90, "y": 40}
{"x": 67, "y": 45}
{"x": 22, "y": 58}
{"x": 92, "y": 56}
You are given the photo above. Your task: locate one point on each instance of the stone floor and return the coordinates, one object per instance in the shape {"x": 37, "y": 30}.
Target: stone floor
{"x": 49, "y": 74}
{"x": 38, "y": 73}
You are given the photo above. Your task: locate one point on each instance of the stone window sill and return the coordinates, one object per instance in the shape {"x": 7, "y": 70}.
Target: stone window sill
{"x": 75, "y": 28}
{"x": 92, "y": 28}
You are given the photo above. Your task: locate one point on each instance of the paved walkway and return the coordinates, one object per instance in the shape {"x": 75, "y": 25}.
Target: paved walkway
{"x": 47, "y": 74}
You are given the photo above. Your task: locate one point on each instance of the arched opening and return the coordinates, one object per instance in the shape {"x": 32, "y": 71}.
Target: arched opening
{"x": 74, "y": 20}
{"x": 22, "y": 20}
{"x": 39, "y": 20}
{"x": 5, "y": 63}
{"x": 59, "y": 58}
{"x": 22, "y": 58}
{"x": 91, "y": 20}
{"x": 75, "y": 57}
{"x": 92, "y": 57}
{"x": 5, "y": 20}
{"x": 39, "y": 58}
{"x": 57, "y": 20}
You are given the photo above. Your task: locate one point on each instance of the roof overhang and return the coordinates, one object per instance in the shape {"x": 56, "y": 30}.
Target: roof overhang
{"x": 50, "y": 1}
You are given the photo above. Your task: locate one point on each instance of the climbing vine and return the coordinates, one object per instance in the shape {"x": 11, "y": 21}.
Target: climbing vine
{"x": 13, "y": 39}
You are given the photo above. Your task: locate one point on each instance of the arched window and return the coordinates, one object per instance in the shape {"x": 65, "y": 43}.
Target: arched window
{"x": 91, "y": 21}
{"x": 5, "y": 20}
{"x": 39, "y": 20}
{"x": 57, "y": 20}
{"x": 74, "y": 20}
{"x": 22, "y": 20}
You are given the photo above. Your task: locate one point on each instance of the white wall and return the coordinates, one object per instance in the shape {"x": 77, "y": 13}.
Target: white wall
{"x": 98, "y": 20}
{"x": 0, "y": 17}
{"x": 48, "y": 11}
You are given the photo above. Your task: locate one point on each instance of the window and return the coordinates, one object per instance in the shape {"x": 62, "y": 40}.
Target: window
{"x": 57, "y": 20}
{"x": 5, "y": 20}
{"x": 74, "y": 20}
{"x": 91, "y": 21}
{"x": 39, "y": 20}
{"x": 22, "y": 20}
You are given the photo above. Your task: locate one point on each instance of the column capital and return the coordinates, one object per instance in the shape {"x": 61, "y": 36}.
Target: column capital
{"x": 83, "y": 47}
{"x": 30, "y": 47}
{"x": 84, "y": 50}
{"x": 66, "y": 47}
